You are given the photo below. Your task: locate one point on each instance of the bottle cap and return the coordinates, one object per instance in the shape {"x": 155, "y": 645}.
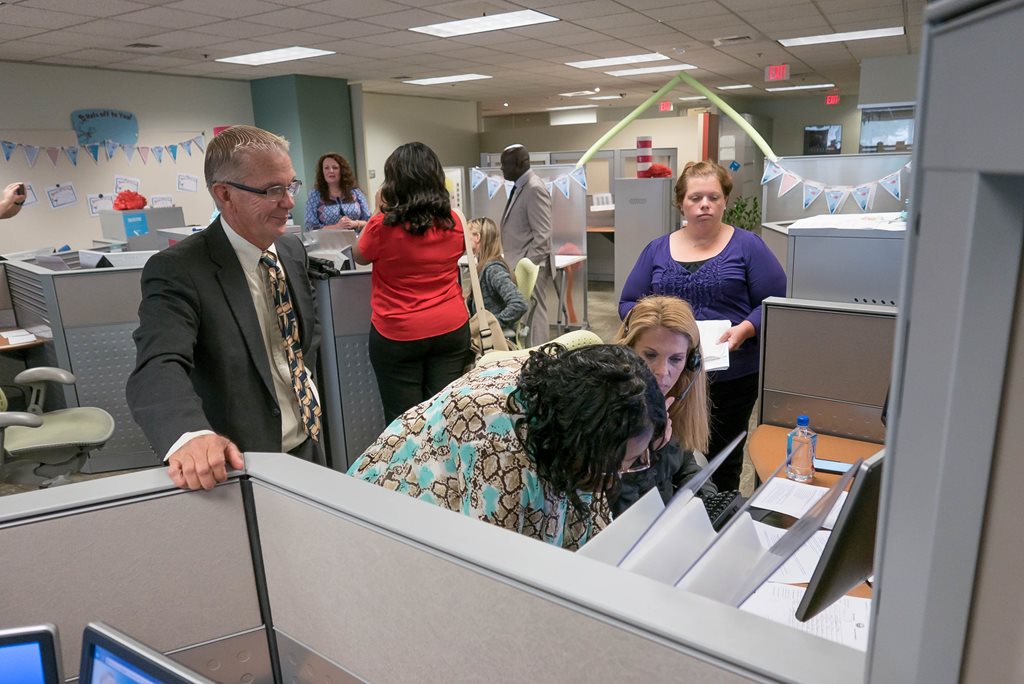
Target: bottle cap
{"x": 803, "y": 421}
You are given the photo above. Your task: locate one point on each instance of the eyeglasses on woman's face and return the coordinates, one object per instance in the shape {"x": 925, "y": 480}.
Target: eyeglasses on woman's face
{"x": 636, "y": 464}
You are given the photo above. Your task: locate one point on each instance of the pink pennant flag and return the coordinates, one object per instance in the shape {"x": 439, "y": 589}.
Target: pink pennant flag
{"x": 54, "y": 154}
{"x": 143, "y": 153}
{"x": 788, "y": 182}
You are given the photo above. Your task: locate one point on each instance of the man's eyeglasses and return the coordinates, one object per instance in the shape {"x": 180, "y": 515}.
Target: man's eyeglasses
{"x": 274, "y": 192}
{"x": 642, "y": 463}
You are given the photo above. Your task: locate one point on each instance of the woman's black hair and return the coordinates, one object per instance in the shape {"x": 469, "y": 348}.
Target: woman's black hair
{"x": 578, "y": 408}
{"x": 413, "y": 191}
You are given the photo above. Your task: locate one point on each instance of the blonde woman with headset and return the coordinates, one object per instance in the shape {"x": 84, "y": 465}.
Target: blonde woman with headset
{"x": 664, "y": 333}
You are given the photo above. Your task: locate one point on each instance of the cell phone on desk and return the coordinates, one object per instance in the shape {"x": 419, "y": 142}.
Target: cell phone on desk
{"x": 826, "y": 466}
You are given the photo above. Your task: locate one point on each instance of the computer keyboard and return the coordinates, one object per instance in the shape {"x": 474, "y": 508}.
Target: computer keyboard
{"x": 721, "y": 506}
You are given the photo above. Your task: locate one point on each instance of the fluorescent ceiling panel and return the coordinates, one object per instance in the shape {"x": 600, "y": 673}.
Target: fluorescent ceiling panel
{"x": 842, "y": 37}
{"x": 693, "y": 98}
{"x": 287, "y": 54}
{"x": 577, "y": 93}
{"x": 614, "y": 61}
{"x": 801, "y": 87}
{"x": 493, "y": 22}
{"x": 559, "y": 109}
{"x": 606, "y": 97}
{"x": 740, "y": 86}
{"x": 651, "y": 70}
{"x": 437, "y": 80}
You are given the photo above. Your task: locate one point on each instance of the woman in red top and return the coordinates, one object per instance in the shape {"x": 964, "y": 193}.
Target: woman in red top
{"x": 419, "y": 337}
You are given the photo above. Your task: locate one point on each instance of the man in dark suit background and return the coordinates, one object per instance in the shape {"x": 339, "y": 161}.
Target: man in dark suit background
{"x": 526, "y": 231}
{"x": 222, "y": 368}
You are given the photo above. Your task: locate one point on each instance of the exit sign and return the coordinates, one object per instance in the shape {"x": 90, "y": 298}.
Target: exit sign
{"x": 776, "y": 72}
{"x": 665, "y": 106}
{"x": 832, "y": 98}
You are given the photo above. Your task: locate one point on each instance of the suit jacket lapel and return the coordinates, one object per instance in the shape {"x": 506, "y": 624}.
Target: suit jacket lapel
{"x": 239, "y": 298}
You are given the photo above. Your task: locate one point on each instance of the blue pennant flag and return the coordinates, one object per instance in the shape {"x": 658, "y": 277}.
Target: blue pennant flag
{"x": 8, "y": 148}
{"x": 188, "y": 147}
{"x": 31, "y": 152}
{"x": 580, "y": 176}
{"x": 562, "y": 183}
{"x": 173, "y": 149}
{"x": 129, "y": 151}
{"x": 200, "y": 143}
{"x": 476, "y": 177}
{"x": 158, "y": 152}
{"x": 72, "y": 153}
{"x": 94, "y": 152}
{"x": 111, "y": 148}
{"x": 493, "y": 184}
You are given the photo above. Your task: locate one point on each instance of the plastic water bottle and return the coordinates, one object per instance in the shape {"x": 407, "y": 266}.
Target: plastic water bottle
{"x": 801, "y": 444}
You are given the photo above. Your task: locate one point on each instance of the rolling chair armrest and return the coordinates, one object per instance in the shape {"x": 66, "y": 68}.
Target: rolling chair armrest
{"x": 19, "y": 419}
{"x": 44, "y": 374}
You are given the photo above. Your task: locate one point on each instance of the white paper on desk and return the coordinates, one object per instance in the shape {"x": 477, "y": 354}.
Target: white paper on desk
{"x": 716, "y": 354}
{"x": 88, "y": 258}
{"x": 800, "y": 566}
{"x": 129, "y": 258}
{"x": 21, "y": 339}
{"x": 18, "y": 332}
{"x": 847, "y": 621}
{"x": 795, "y": 499}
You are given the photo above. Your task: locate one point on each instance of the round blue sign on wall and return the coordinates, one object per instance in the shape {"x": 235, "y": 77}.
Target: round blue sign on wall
{"x": 98, "y": 125}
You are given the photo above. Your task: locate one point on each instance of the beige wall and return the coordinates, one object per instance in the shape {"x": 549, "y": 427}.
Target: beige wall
{"x": 680, "y": 132}
{"x": 790, "y": 115}
{"x": 449, "y": 127}
{"x": 36, "y": 108}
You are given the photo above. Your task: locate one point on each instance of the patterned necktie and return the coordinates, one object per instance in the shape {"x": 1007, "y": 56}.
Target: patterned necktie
{"x": 301, "y": 382}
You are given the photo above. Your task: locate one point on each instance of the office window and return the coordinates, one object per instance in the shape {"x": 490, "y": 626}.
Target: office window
{"x": 887, "y": 129}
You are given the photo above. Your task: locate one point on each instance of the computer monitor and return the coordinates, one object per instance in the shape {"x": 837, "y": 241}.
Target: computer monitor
{"x": 111, "y": 657}
{"x": 29, "y": 655}
{"x": 849, "y": 554}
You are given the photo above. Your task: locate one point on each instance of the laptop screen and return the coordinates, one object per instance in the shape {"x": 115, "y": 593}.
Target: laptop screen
{"x": 29, "y": 655}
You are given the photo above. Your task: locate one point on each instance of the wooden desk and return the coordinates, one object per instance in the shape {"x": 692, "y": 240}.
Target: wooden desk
{"x": 768, "y": 450}
{"x": 767, "y": 446}
{"x": 5, "y": 346}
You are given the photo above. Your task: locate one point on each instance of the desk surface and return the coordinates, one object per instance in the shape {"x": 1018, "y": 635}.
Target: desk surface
{"x": 6, "y": 346}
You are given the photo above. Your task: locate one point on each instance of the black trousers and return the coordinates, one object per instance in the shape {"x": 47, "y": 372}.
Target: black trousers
{"x": 413, "y": 371}
{"x": 731, "y": 404}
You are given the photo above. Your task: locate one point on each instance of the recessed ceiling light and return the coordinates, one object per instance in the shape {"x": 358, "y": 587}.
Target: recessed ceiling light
{"x": 841, "y": 37}
{"x": 437, "y": 80}
{"x": 613, "y": 61}
{"x": 606, "y": 97}
{"x": 740, "y": 86}
{"x": 558, "y": 109}
{"x": 287, "y": 54}
{"x": 577, "y": 93}
{"x": 492, "y": 22}
{"x": 801, "y": 87}
{"x": 504, "y": 104}
{"x": 693, "y": 98}
{"x": 651, "y": 70}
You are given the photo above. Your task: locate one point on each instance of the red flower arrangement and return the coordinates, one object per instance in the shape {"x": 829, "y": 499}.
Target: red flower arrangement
{"x": 656, "y": 171}
{"x": 129, "y": 199}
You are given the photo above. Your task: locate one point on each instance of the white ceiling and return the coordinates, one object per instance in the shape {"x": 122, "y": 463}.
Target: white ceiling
{"x": 527, "y": 64}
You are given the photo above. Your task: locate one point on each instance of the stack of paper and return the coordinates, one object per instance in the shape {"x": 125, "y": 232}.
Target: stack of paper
{"x": 18, "y": 336}
{"x": 716, "y": 354}
{"x": 795, "y": 499}
{"x": 846, "y": 621}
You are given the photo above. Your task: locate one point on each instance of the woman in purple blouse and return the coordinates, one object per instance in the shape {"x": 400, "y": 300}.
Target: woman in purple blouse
{"x": 723, "y": 273}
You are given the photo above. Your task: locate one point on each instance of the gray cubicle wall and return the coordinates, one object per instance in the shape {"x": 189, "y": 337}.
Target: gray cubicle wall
{"x": 91, "y": 315}
{"x": 568, "y": 227}
{"x": 353, "y": 410}
{"x": 862, "y": 266}
{"x": 830, "y": 361}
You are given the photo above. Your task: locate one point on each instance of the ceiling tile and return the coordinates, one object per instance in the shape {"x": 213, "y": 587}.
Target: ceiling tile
{"x": 228, "y": 9}
{"x": 354, "y": 9}
{"x": 92, "y": 8}
{"x": 235, "y": 29}
{"x": 20, "y": 15}
{"x": 292, "y": 19}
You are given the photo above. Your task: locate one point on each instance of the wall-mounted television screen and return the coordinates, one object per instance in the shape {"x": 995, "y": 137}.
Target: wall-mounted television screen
{"x": 824, "y": 139}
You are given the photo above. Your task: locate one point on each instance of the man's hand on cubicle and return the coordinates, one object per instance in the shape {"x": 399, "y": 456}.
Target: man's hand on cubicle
{"x": 738, "y": 334}
{"x": 204, "y": 461}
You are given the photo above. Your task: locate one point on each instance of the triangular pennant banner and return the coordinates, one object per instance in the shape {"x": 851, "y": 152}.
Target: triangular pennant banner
{"x": 811, "y": 192}
{"x": 158, "y": 152}
{"x": 562, "y": 183}
{"x": 94, "y": 151}
{"x": 476, "y": 177}
{"x": 836, "y": 198}
{"x": 907, "y": 166}
{"x": 508, "y": 188}
{"x": 862, "y": 195}
{"x": 72, "y": 153}
{"x": 580, "y": 176}
{"x": 550, "y": 186}
{"x": 8, "y": 148}
{"x": 129, "y": 151}
{"x": 771, "y": 172}
{"x": 493, "y": 185}
{"x": 54, "y": 154}
{"x": 891, "y": 183}
{"x": 187, "y": 144}
{"x": 111, "y": 149}
{"x": 200, "y": 143}
{"x": 173, "y": 149}
{"x": 31, "y": 152}
{"x": 143, "y": 153}
{"x": 788, "y": 182}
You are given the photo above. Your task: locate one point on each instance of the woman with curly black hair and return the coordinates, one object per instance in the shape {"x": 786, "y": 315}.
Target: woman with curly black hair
{"x": 533, "y": 447}
{"x": 419, "y": 337}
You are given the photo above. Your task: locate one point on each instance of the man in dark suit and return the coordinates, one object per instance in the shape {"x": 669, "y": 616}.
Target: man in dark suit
{"x": 228, "y": 331}
{"x": 526, "y": 231}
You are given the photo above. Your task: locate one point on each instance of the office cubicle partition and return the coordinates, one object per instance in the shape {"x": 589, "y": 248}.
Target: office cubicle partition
{"x": 828, "y": 360}
{"x": 353, "y": 582}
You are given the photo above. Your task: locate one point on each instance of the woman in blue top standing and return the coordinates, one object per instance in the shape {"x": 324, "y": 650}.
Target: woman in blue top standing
{"x": 723, "y": 272}
{"x": 336, "y": 202}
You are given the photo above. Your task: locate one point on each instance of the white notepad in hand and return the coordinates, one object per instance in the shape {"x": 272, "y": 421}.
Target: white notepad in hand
{"x": 716, "y": 354}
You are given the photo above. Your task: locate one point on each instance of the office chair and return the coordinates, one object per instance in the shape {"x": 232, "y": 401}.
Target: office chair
{"x": 526, "y": 281}
{"x": 36, "y": 447}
